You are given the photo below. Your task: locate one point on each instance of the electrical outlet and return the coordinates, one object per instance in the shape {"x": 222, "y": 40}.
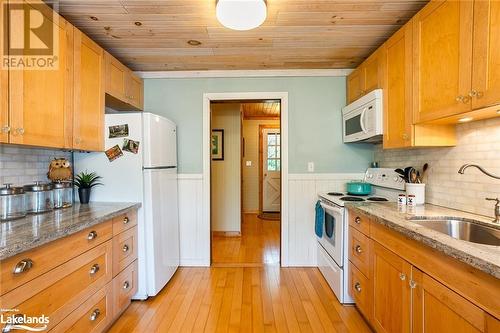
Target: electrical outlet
{"x": 310, "y": 167}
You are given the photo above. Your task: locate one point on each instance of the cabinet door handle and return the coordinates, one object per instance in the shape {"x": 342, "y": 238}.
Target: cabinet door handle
{"x": 402, "y": 276}
{"x": 358, "y": 249}
{"x": 463, "y": 99}
{"x": 94, "y": 269}
{"x": 126, "y": 220}
{"x": 412, "y": 284}
{"x": 357, "y": 286}
{"x": 95, "y": 314}
{"x": 475, "y": 93}
{"x": 5, "y": 129}
{"x": 357, "y": 220}
{"x": 19, "y": 131}
{"x": 23, "y": 266}
{"x": 126, "y": 285}
{"x": 92, "y": 235}
{"x": 125, "y": 248}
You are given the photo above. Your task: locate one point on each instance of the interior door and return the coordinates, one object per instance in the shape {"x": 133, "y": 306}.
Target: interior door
{"x": 271, "y": 170}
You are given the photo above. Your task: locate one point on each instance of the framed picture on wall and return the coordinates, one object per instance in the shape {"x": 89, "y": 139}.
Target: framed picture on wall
{"x": 217, "y": 145}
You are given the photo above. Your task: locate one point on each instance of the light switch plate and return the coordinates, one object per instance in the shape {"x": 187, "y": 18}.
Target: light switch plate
{"x": 310, "y": 167}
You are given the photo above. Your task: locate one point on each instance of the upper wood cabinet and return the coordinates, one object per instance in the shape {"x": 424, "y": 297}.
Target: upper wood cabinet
{"x": 88, "y": 119}
{"x": 391, "y": 291}
{"x": 442, "y": 64}
{"x": 41, "y": 101}
{"x": 486, "y": 57}
{"x": 4, "y": 105}
{"x": 124, "y": 90}
{"x": 367, "y": 77}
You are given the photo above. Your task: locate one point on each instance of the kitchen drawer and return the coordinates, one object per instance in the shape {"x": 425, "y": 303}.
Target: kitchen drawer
{"x": 359, "y": 222}
{"x": 124, "y": 250}
{"x": 93, "y": 316}
{"x": 124, "y": 287}
{"x": 360, "y": 290}
{"x": 124, "y": 222}
{"x": 59, "y": 292}
{"x": 359, "y": 251}
{"x": 51, "y": 255}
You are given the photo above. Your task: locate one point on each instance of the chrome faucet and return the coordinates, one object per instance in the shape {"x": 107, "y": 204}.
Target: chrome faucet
{"x": 497, "y": 205}
{"x": 465, "y": 166}
{"x": 497, "y": 209}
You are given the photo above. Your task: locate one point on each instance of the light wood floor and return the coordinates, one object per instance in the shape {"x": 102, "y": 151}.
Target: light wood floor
{"x": 255, "y": 295}
{"x": 242, "y": 299}
{"x": 259, "y": 244}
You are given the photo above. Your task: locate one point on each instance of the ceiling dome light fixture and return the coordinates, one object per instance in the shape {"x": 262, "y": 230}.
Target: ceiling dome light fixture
{"x": 241, "y": 14}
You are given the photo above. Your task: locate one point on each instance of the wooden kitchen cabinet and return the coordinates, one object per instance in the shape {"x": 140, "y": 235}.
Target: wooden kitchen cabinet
{"x": 436, "y": 308}
{"x": 4, "y": 105}
{"x": 88, "y": 116}
{"x": 124, "y": 90}
{"x": 442, "y": 67}
{"x": 41, "y": 101}
{"x": 367, "y": 77}
{"x": 486, "y": 58}
{"x": 399, "y": 130}
{"x": 391, "y": 291}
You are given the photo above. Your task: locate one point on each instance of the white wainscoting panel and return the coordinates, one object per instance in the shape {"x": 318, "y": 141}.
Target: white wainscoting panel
{"x": 194, "y": 241}
{"x": 304, "y": 189}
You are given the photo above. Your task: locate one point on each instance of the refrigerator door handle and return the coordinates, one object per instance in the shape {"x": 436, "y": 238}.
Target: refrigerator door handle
{"x": 159, "y": 167}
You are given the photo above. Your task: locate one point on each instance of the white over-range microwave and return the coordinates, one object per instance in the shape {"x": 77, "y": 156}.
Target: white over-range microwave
{"x": 363, "y": 118}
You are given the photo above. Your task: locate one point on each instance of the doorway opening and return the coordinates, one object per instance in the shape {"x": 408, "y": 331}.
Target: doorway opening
{"x": 245, "y": 188}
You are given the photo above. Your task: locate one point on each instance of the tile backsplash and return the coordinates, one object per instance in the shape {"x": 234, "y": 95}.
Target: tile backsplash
{"x": 478, "y": 143}
{"x": 21, "y": 166}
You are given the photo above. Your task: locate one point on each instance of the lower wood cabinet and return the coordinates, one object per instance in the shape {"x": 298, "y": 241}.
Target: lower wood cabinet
{"x": 75, "y": 281}
{"x": 409, "y": 287}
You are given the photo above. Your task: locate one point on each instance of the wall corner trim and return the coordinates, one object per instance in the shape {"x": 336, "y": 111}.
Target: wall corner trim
{"x": 245, "y": 73}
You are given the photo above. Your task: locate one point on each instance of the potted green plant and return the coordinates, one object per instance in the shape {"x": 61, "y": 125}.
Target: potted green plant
{"x": 85, "y": 181}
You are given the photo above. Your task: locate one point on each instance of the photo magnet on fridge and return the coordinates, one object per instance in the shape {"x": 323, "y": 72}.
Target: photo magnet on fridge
{"x": 113, "y": 153}
{"x": 130, "y": 146}
{"x": 118, "y": 131}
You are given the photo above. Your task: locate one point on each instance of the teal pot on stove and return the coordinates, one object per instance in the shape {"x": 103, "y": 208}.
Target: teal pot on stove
{"x": 359, "y": 188}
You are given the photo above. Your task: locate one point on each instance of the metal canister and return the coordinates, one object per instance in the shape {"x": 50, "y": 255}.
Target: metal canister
{"x": 39, "y": 197}
{"x": 12, "y": 203}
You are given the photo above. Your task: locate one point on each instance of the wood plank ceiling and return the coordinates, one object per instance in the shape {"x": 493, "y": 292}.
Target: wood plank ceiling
{"x": 154, "y": 35}
{"x": 261, "y": 110}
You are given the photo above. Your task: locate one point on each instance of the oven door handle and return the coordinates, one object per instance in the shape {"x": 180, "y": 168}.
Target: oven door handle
{"x": 327, "y": 207}
{"x": 362, "y": 120}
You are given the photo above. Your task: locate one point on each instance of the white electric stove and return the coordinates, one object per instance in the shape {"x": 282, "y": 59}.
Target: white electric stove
{"x": 333, "y": 245}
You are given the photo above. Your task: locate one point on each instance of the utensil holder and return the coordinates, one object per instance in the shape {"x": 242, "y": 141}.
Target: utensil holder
{"x": 418, "y": 190}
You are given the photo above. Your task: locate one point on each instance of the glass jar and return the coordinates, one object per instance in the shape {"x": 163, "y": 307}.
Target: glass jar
{"x": 63, "y": 195}
{"x": 12, "y": 203}
{"x": 39, "y": 197}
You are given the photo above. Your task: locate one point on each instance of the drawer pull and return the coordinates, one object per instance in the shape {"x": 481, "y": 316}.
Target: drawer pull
{"x": 92, "y": 235}
{"x": 402, "y": 276}
{"x": 357, "y": 286}
{"x": 125, "y": 248}
{"x": 23, "y": 266}
{"x": 95, "y": 314}
{"x": 94, "y": 269}
{"x": 357, "y": 220}
{"x": 126, "y": 285}
{"x": 126, "y": 220}
{"x": 358, "y": 249}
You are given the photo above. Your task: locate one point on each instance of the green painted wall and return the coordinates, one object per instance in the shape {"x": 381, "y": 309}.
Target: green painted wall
{"x": 314, "y": 108}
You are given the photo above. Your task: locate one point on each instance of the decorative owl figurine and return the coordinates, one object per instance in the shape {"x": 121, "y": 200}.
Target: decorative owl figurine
{"x": 59, "y": 170}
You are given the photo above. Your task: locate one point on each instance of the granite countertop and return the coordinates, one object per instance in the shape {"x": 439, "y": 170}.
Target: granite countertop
{"x": 34, "y": 230}
{"x": 483, "y": 257}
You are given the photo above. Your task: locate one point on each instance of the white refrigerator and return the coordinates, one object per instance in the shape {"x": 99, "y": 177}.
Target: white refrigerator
{"x": 148, "y": 177}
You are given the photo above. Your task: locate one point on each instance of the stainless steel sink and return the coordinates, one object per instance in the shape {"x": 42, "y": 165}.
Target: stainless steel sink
{"x": 462, "y": 229}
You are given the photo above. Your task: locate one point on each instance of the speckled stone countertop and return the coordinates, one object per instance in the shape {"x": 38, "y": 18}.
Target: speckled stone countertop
{"x": 34, "y": 230}
{"x": 483, "y": 257}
